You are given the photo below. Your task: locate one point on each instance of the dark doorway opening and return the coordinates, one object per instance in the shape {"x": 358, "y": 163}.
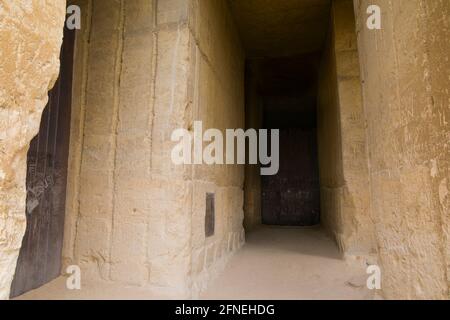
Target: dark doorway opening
{"x": 40, "y": 255}
{"x": 287, "y": 88}
{"x": 283, "y": 43}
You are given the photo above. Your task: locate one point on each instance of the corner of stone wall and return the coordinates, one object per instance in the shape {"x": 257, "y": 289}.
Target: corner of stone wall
{"x": 217, "y": 77}
{"x": 128, "y": 210}
{"x": 343, "y": 156}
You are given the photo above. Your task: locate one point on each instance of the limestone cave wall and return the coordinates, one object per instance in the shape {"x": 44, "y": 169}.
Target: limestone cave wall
{"x": 143, "y": 69}
{"x": 128, "y": 214}
{"x": 218, "y": 101}
{"x": 343, "y": 157}
{"x": 405, "y": 76}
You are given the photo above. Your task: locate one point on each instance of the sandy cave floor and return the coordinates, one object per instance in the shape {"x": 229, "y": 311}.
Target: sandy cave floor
{"x": 275, "y": 263}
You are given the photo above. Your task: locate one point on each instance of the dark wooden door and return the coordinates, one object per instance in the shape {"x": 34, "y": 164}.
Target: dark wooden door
{"x": 292, "y": 197}
{"x": 40, "y": 255}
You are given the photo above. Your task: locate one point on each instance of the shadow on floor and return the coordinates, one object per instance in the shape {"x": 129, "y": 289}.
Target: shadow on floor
{"x": 275, "y": 263}
{"x": 311, "y": 241}
{"x": 289, "y": 263}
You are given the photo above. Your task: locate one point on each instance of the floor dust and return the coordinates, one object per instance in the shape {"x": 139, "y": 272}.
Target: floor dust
{"x": 275, "y": 263}
{"x": 290, "y": 263}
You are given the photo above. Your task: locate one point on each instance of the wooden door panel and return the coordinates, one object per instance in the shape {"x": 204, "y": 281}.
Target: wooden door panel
{"x": 40, "y": 255}
{"x": 292, "y": 197}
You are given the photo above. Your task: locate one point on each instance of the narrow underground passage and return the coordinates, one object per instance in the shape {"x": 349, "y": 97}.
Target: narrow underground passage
{"x": 288, "y": 254}
{"x": 293, "y": 227}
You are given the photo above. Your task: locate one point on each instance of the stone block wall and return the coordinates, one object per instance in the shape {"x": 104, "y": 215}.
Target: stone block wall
{"x": 405, "y": 76}
{"x": 30, "y": 40}
{"x": 343, "y": 157}
{"x": 143, "y": 69}
{"x": 218, "y": 101}
{"x": 128, "y": 212}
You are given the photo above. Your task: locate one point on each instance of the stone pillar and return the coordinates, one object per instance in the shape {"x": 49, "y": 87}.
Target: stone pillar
{"x": 30, "y": 41}
{"x": 128, "y": 214}
{"x": 405, "y": 74}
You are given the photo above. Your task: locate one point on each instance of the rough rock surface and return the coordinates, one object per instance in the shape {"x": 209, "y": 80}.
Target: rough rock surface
{"x": 143, "y": 69}
{"x": 405, "y": 76}
{"x": 343, "y": 157}
{"x": 30, "y": 40}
